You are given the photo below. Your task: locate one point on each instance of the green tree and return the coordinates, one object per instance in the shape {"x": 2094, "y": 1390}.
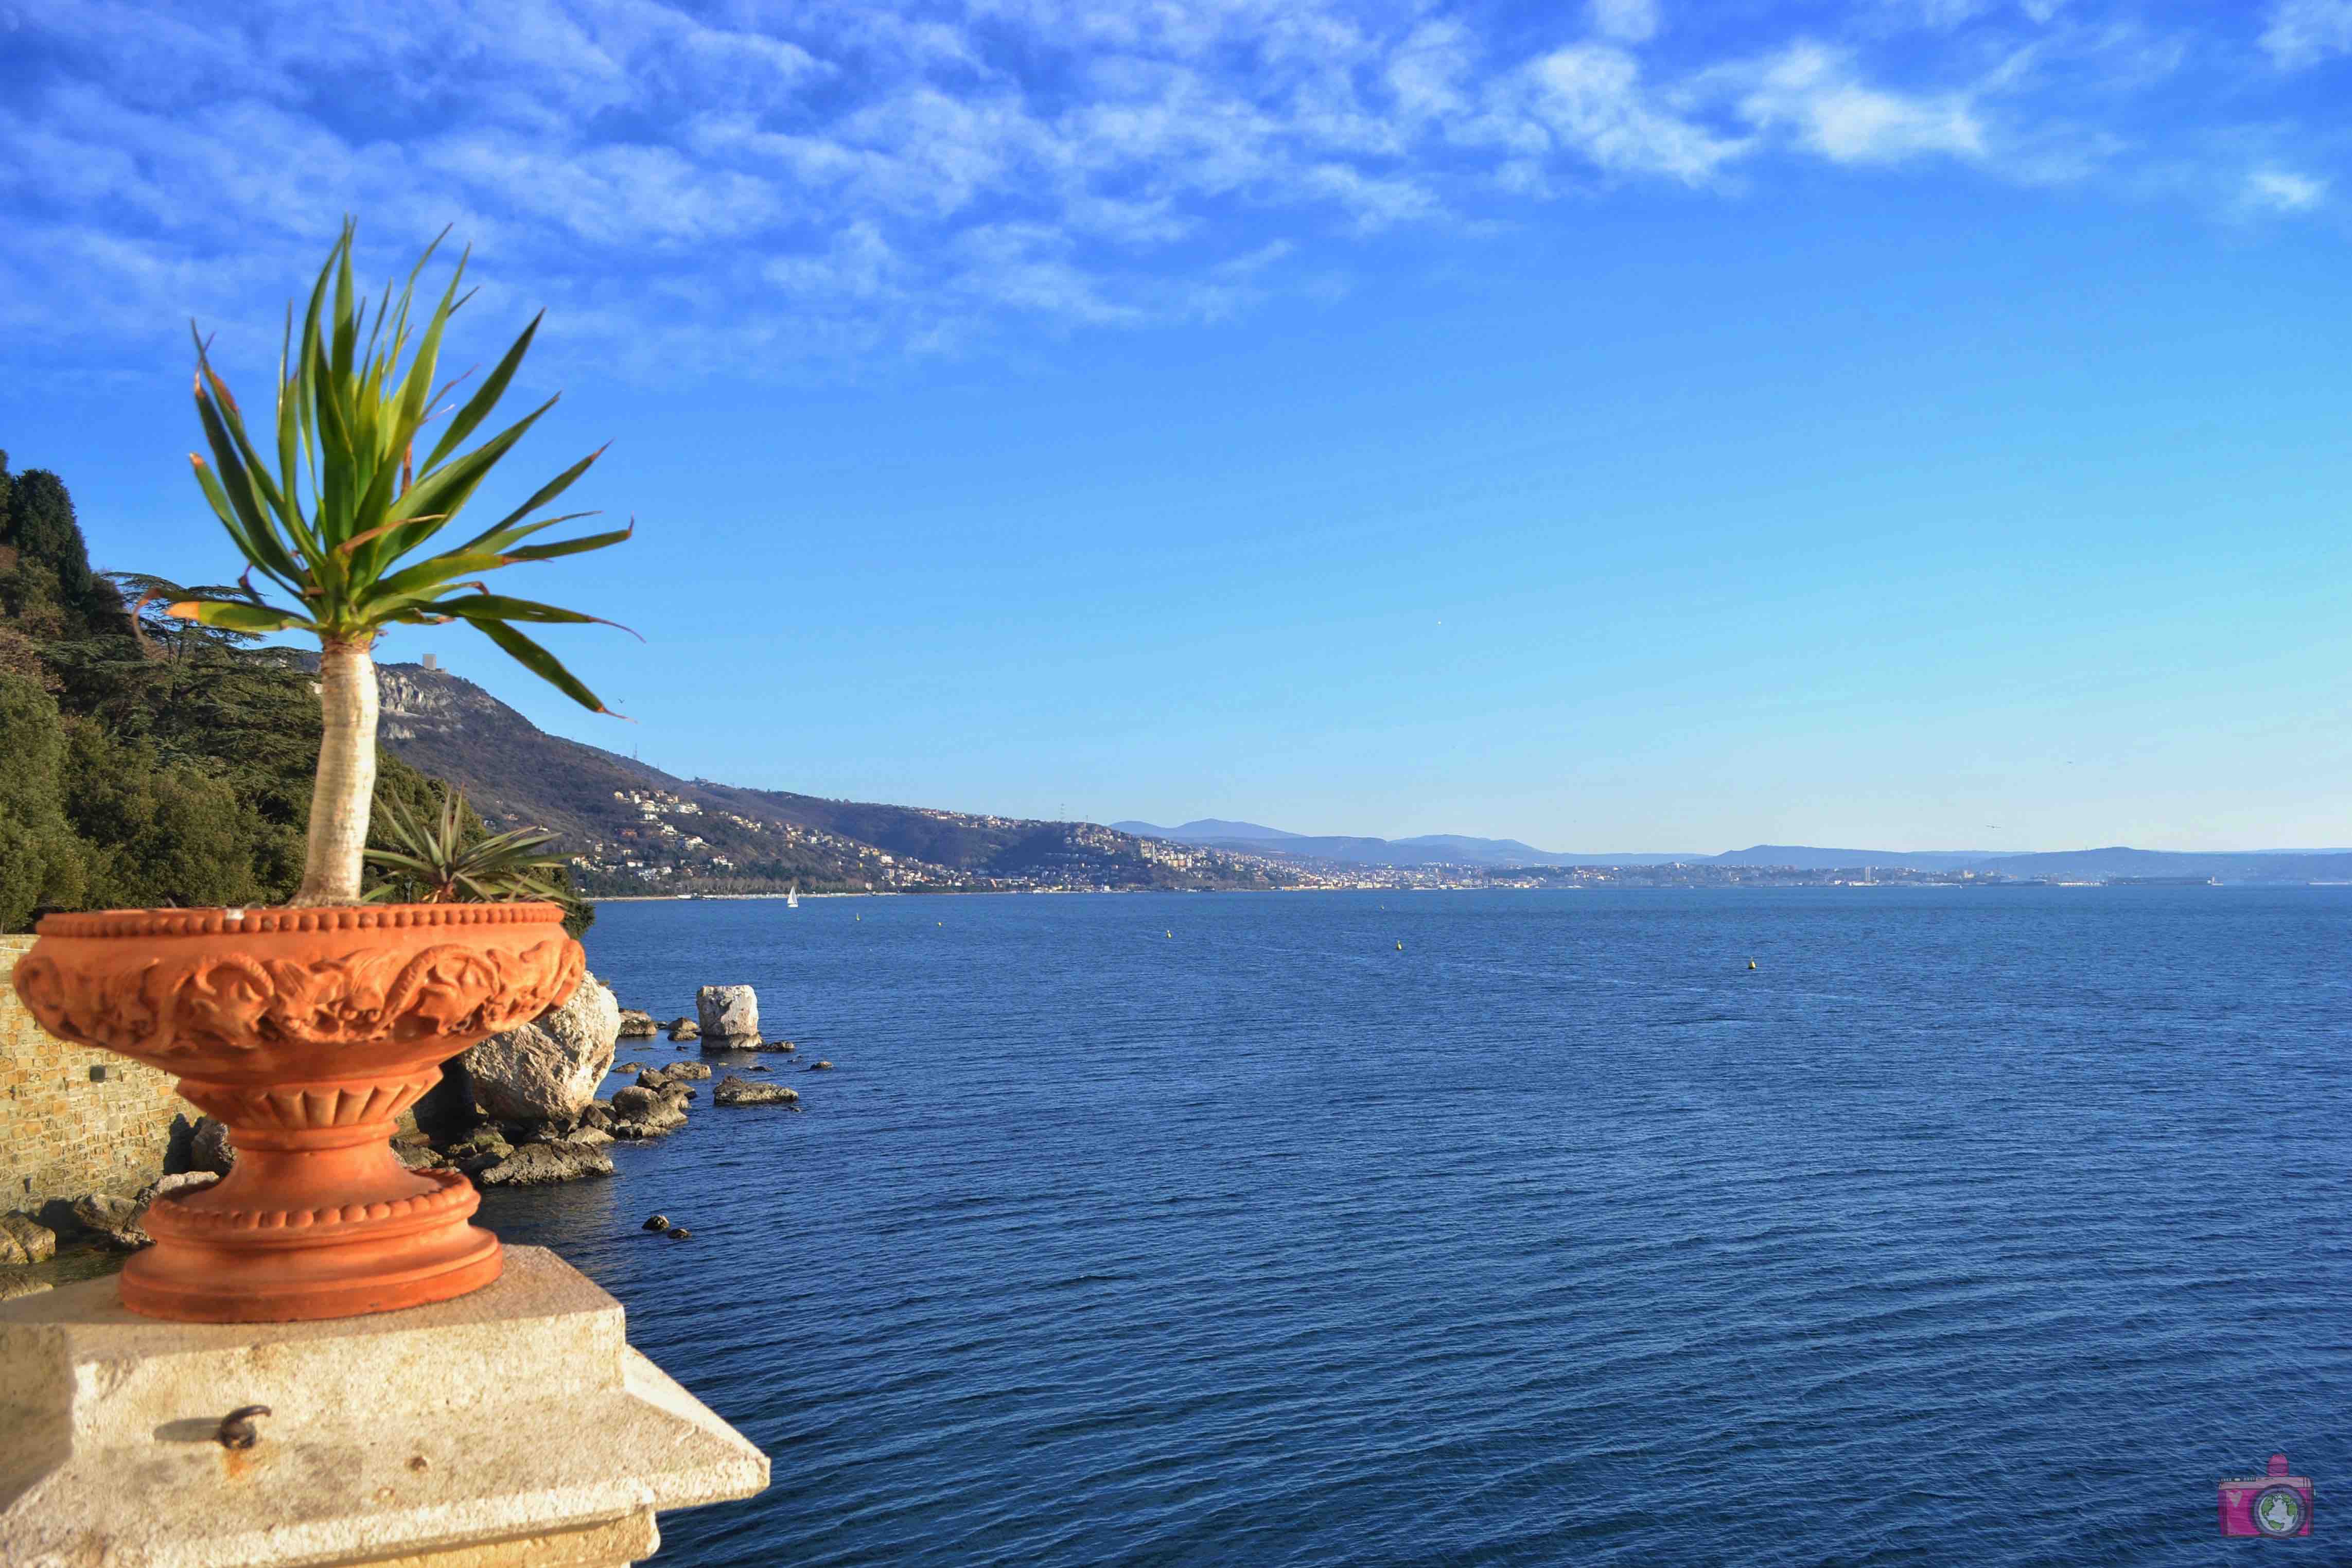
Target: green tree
{"x": 41, "y": 864}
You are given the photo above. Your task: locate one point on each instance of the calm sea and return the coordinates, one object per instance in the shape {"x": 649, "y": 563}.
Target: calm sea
{"x": 1973, "y": 1228}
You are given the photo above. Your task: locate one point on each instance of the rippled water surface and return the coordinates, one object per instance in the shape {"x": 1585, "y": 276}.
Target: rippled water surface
{"x": 1986, "y": 1228}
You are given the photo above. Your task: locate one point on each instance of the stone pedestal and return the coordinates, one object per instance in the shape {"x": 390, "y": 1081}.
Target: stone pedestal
{"x": 513, "y": 1427}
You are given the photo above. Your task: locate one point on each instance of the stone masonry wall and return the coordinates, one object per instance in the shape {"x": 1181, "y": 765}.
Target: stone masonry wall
{"x": 73, "y": 1121}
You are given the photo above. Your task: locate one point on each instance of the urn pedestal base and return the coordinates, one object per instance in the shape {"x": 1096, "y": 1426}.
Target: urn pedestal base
{"x": 308, "y": 1032}
{"x": 318, "y": 1219}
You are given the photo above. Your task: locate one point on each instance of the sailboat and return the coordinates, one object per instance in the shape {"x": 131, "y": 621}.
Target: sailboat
{"x": 793, "y": 895}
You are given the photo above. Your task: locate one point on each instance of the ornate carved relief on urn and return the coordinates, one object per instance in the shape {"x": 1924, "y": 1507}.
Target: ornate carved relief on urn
{"x": 308, "y": 1032}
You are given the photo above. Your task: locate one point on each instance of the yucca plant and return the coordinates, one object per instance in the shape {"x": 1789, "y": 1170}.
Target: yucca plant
{"x": 344, "y": 523}
{"x": 434, "y": 863}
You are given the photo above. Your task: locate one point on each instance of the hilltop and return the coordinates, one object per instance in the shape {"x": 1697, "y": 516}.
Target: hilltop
{"x": 633, "y": 828}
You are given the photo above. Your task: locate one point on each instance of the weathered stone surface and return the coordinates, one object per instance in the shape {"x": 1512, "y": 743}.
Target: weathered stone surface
{"x": 658, "y": 1222}
{"x": 112, "y": 1219}
{"x": 687, "y": 1069}
{"x": 728, "y": 1012}
{"x": 74, "y": 1120}
{"x": 596, "y": 1113}
{"x": 15, "y": 1283}
{"x": 818, "y": 1067}
{"x": 641, "y": 1113}
{"x": 548, "y": 1069}
{"x": 24, "y": 1240}
{"x": 684, "y": 1029}
{"x": 635, "y": 1025}
{"x": 209, "y": 1148}
{"x": 536, "y": 1163}
{"x": 588, "y": 1137}
{"x": 734, "y": 1091}
{"x": 630, "y": 1067}
{"x": 419, "y": 1156}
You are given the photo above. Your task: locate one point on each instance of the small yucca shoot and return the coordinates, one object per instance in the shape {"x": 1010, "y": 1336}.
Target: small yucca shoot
{"x": 341, "y": 526}
{"x": 435, "y": 865}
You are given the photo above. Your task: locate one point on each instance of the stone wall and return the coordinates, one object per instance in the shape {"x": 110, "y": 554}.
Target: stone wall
{"x": 73, "y": 1121}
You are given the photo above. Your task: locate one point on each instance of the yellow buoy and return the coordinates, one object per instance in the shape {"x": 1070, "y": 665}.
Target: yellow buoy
{"x": 1400, "y": 946}
{"x": 1751, "y": 963}
{"x": 1171, "y": 936}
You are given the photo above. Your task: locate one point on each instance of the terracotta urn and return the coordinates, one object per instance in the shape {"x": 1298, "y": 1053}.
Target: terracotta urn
{"x": 308, "y": 1032}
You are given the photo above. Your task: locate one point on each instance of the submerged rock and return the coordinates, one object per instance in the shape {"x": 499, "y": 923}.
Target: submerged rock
{"x": 535, "y": 1164}
{"x": 684, "y": 1029}
{"x": 658, "y": 1222}
{"x": 630, "y": 1067}
{"x": 635, "y": 1025}
{"x": 643, "y": 1114}
{"x": 687, "y": 1069}
{"x": 679, "y": 1233}
{"x": 818, "y": 1067}
{"x": 734, "y": 1091}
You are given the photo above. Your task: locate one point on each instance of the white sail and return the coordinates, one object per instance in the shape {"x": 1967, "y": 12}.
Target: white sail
{"x": 793, "y": 895}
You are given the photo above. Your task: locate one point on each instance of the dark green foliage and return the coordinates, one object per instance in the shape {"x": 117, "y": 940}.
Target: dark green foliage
{"x": 144, "y": 761}
{"x": 37, "y": 524}
{"x": 41, "y": 864}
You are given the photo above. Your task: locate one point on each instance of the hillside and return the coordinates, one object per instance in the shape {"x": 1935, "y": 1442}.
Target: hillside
{"x": 633, "y": 828}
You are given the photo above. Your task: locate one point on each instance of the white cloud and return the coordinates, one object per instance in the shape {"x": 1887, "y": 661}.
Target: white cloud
{"x": 1627, "y": 21}
{"x": 2305, "y": 32}
{"x": 736, "y": 180}
{"x": 2285, "y": 191}
{"x": 1815, "y": 93}
{"x": 1591, "y": 96}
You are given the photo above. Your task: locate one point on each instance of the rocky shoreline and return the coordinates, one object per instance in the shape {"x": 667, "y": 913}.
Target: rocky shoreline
{"x": 519, "y": 1109}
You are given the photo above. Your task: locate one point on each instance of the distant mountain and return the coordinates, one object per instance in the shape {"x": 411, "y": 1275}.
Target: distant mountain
{"x": 1427, "y": 849}
{"x": 637, "y": 829}
{"x": 1203, "y": 829}
{"x": 1805, "y": 857}
{"x": 2118, "y": 860}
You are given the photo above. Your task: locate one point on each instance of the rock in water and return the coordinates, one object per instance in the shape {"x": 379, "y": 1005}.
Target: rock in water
{"x": 643, "y": 1114}
{"x": 687, "y": 1069}
{"x": 730, "y": 1013}
{"x": 635, "y": 1025}
{"x": 548, "y": 1069}
{"x": 734, "y": 1091}
{"x": 658, "y": 1222}
{"x": 23, "y": 1241}
{"x": 630, "y": 1067}
{"x": 679, "y": 1233}
{"x": 534, "y": 1164}
{"x": 818, "y": 1067}
{"x": 684, "y": 1029}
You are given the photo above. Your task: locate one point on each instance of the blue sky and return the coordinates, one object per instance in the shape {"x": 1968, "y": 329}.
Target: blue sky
{"x": 1621, "y": 426}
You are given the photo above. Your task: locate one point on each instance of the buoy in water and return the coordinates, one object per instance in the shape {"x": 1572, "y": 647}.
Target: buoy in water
{"x": 1171, "y": 936}
{"x": 1751, "y": 963}
{"x": 1400, "y": 946}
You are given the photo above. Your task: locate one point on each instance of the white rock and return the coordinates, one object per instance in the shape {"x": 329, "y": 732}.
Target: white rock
{"x": 548, "y": 1069}
{"x": 729, "y": 1012}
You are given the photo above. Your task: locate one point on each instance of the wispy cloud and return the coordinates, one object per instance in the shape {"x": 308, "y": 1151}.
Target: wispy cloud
{"x": 735, "y": 183}
{"x": 2285, "y": 191}
{"x": 2305, "y": 32}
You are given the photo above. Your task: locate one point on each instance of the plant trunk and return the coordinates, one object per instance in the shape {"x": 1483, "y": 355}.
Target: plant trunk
{"x": 346, "y": 785}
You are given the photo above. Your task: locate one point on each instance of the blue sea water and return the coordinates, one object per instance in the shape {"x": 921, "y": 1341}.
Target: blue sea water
{"x": 1971, "y": 1226}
